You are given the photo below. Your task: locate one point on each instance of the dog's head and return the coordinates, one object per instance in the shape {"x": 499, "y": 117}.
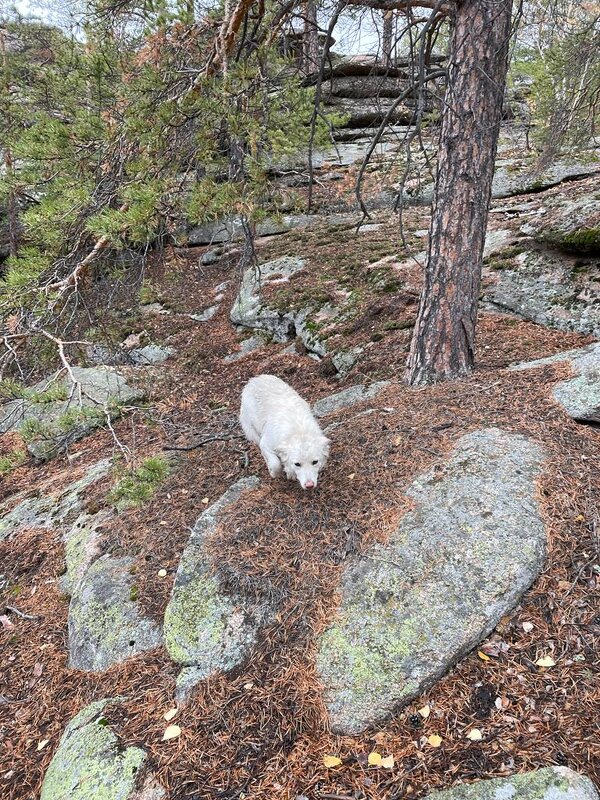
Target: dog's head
{"x": 304, "y": 458}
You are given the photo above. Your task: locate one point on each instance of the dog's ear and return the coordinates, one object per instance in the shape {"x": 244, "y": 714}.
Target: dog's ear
{"x": 325, "y": 443}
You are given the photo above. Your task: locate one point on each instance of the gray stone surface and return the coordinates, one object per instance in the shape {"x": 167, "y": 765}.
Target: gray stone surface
{"x": 572, "y": 225}
{"x": 65, "y": 421}
{"x": 92, "y": 764}
{"x": 248, "y": 309}
{"x": 347, "y": 397}
{"x": 206, "y": 315}
{"x": 579, "y": 396}
{"x": 150, "y": 354}
{"x": 550, "y": 783}
{"x": 247, "y": 346}
{"x": 459, "y": 561}
{"x": 81, "y": 547}
{"x": 48, "y": 510}
{"x": 496, "y": 241}
{"x": 544, "y": 288}
{"x": 515, "y": 176}
{"x": 204, "y": 627}
{"x": 105, "y": 623}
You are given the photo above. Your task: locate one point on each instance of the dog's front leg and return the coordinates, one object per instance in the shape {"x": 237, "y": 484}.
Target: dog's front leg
{"x": 272, "y": 460}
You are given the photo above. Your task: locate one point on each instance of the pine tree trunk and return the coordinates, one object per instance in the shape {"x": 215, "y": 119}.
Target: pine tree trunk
{"x": 444, "y": 337}
{"x": 387, "y": 37}
{"x": 311, "y": 39}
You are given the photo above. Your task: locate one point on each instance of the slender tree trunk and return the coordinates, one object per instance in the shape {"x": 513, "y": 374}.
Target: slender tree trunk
{"x": 12, "y": 206}
{"x": 444, "y": 337}
{"x": 387, "y": 37}
{"x": 311, "y": 38}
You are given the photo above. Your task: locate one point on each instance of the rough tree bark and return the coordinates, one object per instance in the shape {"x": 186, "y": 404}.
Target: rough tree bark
{"x": 311, "y": 38}
{"x": 387, "y": 38}
{"x": 443, "y": 340}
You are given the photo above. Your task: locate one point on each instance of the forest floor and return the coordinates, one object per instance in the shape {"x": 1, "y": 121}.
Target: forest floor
{"x": 261, "y": 731}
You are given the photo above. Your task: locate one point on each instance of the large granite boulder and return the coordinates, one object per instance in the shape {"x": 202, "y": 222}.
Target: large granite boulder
{"x": 550, "y": 783}
{"x": 580, "y": 395}
{"x": 571, "y": 225}
{"x": 105, "y": 624}
{"x": 545, "y": 287}
{"x": 55, "y": 412}
{"x": 50, "y": 509}
{"x": 92, "y": 764}
{"x": 459, "y": 561}
{"x": 206, "y": 629}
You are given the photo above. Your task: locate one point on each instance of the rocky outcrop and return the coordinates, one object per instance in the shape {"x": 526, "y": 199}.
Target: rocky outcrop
{"x": 206, "y": 629}
{"x": 285, "y": 324}
{"x": 50, "y": 509}
{"x": 92, "y": 764}
{"x": 570, "y": 225}
{"x": 545, "y": 287}
{"x": 579, "y": 396}
{"x": 362, "y": 113}
{"x": 347, "y": 398}
{"x": 551, "y": 783}
{"x": 55, "y": 412}
{"x": 458, "y": 562}
{"x": 105, "y": 623}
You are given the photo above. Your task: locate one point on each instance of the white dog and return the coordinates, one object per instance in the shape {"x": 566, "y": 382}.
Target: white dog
{"x": 280, "y": 422}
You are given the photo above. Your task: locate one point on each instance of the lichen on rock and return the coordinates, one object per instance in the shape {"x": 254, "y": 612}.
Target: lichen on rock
{"x": 457, "y": 563}
{"x": 90, "y": 763}
{"x": 105, "y": 623}
{"x": 204, "y": 627}
{"x": 550, "y": 783}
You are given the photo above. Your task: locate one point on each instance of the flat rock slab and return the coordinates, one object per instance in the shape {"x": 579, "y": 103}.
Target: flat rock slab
{"x": 82, "y": 547}
{"x": 91, "y": 763}
{"x": 105, "y": 624}
{"x": 50, "y": 510}
{"x": 204, "y": 628}
{"x": 347, "y": 398}
{"x": 571, "y": 225}
{"x": 579, "y": 396}
{"x": 62, "y": 422}
{"x": 542, "y": 286}
{"x": 459, "y": 561}
{"x": 551, "y": 783}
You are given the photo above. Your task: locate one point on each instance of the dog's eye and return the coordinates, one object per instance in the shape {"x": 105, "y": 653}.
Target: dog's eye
{"x": 315, "y": 462}
{"x": 297, "y": 464}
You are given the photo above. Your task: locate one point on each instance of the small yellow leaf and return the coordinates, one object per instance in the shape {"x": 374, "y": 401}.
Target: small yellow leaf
{"x": 170, "y": 714}
{"x": 388, "y": 762}
{"x": 352, "y": 476}
{"x": 204, "y": 501}
{"x": 397, "y": 441}
{"x": 424, "y": 712}
{"x": 434, "y": 740}
{"x": 172, "y": 732}
{"x": 546, "y": 661}
{"x": 374, "y": 759}
{"x": 475, "y": 735}
{"x": 42, "y": 744}
{"x": 482, "y": 655}
{"x": 331, "y": 761}
{"x": 162, "y": 573}
{"x": 579, "y": 518}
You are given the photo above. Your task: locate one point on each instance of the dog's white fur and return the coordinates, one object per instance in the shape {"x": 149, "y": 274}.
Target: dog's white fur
{"x": 280, "y": 422}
